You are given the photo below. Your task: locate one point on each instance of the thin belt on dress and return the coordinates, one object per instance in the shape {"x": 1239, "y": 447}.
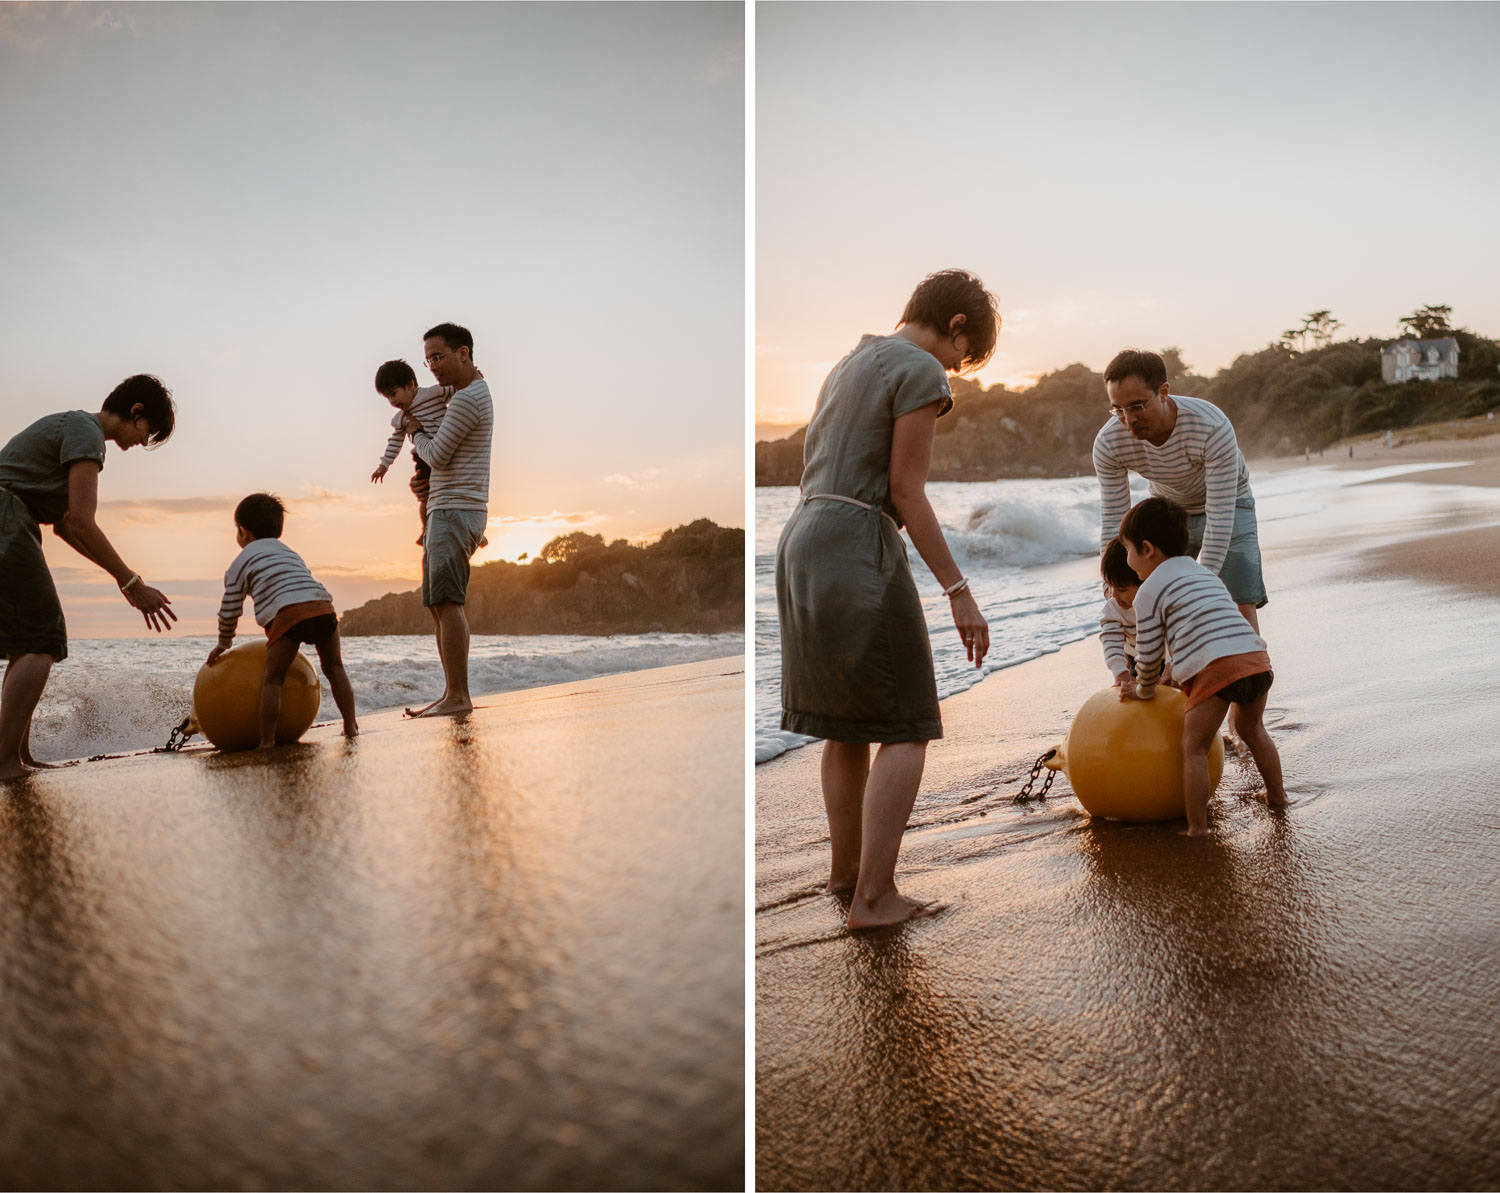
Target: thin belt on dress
{"x": 849, "y": 501}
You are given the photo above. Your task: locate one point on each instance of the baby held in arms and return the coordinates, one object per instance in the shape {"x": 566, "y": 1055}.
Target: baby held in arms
{"x": 1183, "y": 609}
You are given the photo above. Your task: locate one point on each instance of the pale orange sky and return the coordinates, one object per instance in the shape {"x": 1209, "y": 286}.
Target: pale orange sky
{"x": 253, "y": 203}
{"x": 1200, "y": 175}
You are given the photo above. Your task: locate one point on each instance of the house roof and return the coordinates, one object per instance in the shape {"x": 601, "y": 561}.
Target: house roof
{"x": 1444, "y": 343}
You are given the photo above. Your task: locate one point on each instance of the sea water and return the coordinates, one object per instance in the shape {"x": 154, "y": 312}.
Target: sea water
{"x": 119, "y": 694}
{"x": 1022, "y": 544}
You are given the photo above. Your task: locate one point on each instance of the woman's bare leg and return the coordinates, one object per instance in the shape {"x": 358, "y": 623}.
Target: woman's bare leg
{"x": 846, "y": 766}
{"x": 25, "y": 678}
{"x": 890, "y": 792}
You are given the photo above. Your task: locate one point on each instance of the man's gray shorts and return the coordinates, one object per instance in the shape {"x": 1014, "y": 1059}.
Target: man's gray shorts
{"x": 452, "y": 536}
{"x": 1241, "y": 570}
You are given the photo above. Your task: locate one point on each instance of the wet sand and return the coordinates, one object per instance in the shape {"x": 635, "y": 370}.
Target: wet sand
{"x": 1303, "y": 1000}
{"x": 505, "y": 952}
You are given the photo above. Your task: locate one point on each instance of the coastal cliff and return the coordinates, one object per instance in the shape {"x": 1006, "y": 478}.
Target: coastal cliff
{"x": 1281, "y": 402}
{"x": 690, "y": 581}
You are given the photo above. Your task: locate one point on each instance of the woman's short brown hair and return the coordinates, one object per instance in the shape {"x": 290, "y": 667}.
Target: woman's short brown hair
{"x": 952, "y": 292}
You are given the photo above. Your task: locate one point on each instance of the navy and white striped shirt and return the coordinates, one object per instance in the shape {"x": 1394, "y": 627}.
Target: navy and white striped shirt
{"x": 460, "y": 451}
{"x": 1184, "y": 610}
{"x": 1117, "y": 633}
{"x": 427, "y": 408}
{"x": 273, "y": 576}
{"x": 1199, "y": 466}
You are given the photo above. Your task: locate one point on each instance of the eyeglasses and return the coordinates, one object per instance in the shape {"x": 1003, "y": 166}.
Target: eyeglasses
{"x": 1133, "y": 409}
{"x": 433, "y": 359}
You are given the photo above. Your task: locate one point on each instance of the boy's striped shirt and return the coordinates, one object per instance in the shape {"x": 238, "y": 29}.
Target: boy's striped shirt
{"x": 1117, "y": 634}
{"x": 427, "y": 408}
{"x": 460, "y": 451}
{"x": 1200, "y": 467}
{"x": 273, "y": 576}
{"x": 1184, "y": 610}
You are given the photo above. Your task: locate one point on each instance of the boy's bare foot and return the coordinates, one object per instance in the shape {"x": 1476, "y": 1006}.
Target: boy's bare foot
{"x": 1193, "y": 832}
{"x": 894, "y": 908}
{"x": 266, "y": 745}
{"x": 1277, "y": 800}
{"x": 446, "y": 708}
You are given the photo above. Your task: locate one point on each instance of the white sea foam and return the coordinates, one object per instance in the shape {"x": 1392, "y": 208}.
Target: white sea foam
{"x": 119, "y": 694}
{"x": 1029, "y": 548}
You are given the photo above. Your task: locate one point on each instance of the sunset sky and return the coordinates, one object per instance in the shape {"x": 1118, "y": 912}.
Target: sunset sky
{"x": 260, "y": 203}
{"x": 1201, "y": 175}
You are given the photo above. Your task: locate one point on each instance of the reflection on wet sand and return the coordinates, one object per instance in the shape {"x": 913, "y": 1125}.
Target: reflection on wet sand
{"x": 1305, "y": 999}
{"x": 450, "y": 954}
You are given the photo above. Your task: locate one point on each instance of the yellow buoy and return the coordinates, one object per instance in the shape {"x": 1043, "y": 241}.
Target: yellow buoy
{"x": 226, "y": 699}
{"x": 1124, "y": 757}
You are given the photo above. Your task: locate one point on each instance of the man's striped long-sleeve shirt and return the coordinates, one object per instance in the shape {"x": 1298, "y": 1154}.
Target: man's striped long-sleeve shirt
{"x": 1199, "y": 466}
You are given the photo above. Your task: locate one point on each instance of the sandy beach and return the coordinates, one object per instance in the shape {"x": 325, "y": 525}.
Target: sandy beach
{"x": 504, "y": 952}
{"x": 1303, "y": 1000}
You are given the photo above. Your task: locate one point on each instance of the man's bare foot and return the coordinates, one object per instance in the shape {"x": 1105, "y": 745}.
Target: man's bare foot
{"x": 894, "y": 908}
{"x": 14, "y": 770}
{"x": 446, "y": 708}
{"x": 351, "y": 729}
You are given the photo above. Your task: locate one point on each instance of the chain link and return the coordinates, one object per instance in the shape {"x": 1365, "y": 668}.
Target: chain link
{"x": 1026, "y": 794}
{"x": 177, "y": 739}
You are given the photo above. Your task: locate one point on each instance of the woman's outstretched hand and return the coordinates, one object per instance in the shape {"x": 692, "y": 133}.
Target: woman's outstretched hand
{"x": 972, "y": 627}
{"x": 153, "y": 605}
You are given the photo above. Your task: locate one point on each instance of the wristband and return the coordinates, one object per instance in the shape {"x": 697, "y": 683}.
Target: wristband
{"x": 956, "y": 587}
{"x": 135, "y": 578}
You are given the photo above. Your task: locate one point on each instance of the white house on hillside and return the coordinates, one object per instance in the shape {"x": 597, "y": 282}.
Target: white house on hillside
{"x": 1426, "y": 360}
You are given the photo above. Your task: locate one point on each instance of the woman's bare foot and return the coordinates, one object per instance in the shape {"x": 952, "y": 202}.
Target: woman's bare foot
{"x": 351, "y": 729}
{"x": 417, "y": 712}
{"x": 446, "y": 708}
{"x": 892, "y": 908}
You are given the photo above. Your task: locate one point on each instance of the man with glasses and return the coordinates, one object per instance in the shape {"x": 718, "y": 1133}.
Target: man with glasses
{"x": 1186, "y": 449}
{"x": 457, "y": 505}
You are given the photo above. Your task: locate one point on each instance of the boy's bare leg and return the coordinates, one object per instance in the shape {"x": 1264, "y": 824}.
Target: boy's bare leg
{"x": 846, "y": 767}
{"x": 331, "y": 659}
{"x": 279, "y": 656}
{"x": 20, "y": 691}
{"x": 1198, "y": 729}
{"x": 453, "y": 650}
{"x": 437, "y": 628}
{"x": 422, "y": 511}
{"x": 1263, "y": 749}
{"x": 890, "y": 792}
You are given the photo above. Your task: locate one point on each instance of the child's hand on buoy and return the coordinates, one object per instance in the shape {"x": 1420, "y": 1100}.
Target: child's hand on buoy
{"x": 1126, "y": 684}
{"x": 215, "y": 654}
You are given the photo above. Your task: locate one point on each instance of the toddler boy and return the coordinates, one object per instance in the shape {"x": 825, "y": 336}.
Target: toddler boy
{"x": 1183, "y": 608}
{"x": 397, "y": 384}
{"x": 292, "y": 606}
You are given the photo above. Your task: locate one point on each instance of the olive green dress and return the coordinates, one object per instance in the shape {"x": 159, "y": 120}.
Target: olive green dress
{"x": 856, "y": 662}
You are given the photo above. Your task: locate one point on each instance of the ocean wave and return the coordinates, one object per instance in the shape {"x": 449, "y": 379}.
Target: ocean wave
{"x": 118, "y": 695}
